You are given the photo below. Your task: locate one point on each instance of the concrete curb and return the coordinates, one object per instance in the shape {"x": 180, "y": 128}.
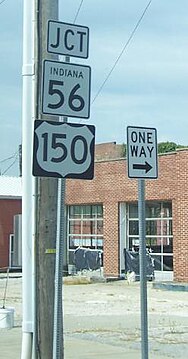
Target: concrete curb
{"x": 176, "y": 287}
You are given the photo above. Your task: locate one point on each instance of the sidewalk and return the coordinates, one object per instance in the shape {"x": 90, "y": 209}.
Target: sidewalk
{"x": 10, "y": 348}
{"x": 102, "y": 320}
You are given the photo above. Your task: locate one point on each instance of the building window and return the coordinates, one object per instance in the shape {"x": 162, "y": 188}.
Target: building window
{"x": 85, "y": 226}
{"x": 159, "y": 234}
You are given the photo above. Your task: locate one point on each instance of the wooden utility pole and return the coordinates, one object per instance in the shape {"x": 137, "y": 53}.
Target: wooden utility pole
{"x": 46, "y": 204}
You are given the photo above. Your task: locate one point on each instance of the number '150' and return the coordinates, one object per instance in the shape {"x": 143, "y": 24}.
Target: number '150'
{"x": 55, "y": 141}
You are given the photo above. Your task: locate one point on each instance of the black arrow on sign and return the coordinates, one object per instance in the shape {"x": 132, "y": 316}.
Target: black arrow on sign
{"x": 147, "y": 167}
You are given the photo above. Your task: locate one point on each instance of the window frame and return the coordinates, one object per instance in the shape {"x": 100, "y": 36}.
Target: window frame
{"x": 165, "y": 206}
{"x": 90, "y": 216}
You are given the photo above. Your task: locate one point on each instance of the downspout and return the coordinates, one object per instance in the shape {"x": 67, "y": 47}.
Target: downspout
{"x": 27, "y": 180}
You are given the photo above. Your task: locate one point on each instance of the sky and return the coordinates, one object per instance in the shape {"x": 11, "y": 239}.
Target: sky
{"x": 147, "y": 87}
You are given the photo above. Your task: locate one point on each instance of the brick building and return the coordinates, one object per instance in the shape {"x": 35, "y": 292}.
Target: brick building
{"x": 102, "y": 213}
{"x": 10, "y": 207}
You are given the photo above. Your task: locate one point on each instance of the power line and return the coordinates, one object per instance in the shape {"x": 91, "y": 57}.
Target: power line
{"x": 122, "y": 51}
{"x": 2, "y": 1}
{"x": 12, "y": 164}
{"x": 14, "y": 156}
{"x": 9, "y": 158}
{"x": 78, "y": 11}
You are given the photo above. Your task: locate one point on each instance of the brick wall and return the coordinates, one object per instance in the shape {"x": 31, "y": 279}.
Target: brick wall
{"x": 111, "y": 186}
{"x": 180, "y": 215}
{"x": 8, "y": 208}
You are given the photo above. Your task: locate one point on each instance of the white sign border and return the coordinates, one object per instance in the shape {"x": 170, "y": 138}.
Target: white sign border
{"x": 39, "y": 171}
{"x": 66, "y": 114}
{"x": 64, "y": 53}
{"x": 128, "y": 155}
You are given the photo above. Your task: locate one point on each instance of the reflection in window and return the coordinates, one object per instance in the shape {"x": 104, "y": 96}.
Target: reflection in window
{"x": 159, "y": 233}
{"x": 85, "y": 226}
{"x": 153, "y": 210}
{"x": 133, "y": 228}
{"x": 133, "y": 211}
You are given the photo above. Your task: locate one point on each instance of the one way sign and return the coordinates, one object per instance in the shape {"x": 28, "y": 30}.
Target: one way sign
{"x": 142, "y": 152}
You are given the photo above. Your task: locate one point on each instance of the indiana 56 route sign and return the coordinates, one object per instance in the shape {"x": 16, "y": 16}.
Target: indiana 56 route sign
{"x": 66, "y": 89}
{"x": 63, "y": 150}
{"x": 142, "y": 152}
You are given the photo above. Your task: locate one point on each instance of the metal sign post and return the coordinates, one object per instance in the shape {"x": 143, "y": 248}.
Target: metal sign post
{"x": 58, "y": 306}
{"x": 142, "y": 163}
{"x": 143, "y": 277}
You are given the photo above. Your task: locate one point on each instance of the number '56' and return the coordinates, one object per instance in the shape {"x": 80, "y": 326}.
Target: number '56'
{"x": 75, "y": 101}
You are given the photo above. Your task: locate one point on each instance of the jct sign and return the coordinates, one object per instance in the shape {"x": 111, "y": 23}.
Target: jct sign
{"x": 142, "y": 152}
{"x": 68, "y": 39}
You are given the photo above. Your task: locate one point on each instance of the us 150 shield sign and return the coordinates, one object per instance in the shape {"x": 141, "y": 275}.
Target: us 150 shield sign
{"x": 63, "y": 150}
